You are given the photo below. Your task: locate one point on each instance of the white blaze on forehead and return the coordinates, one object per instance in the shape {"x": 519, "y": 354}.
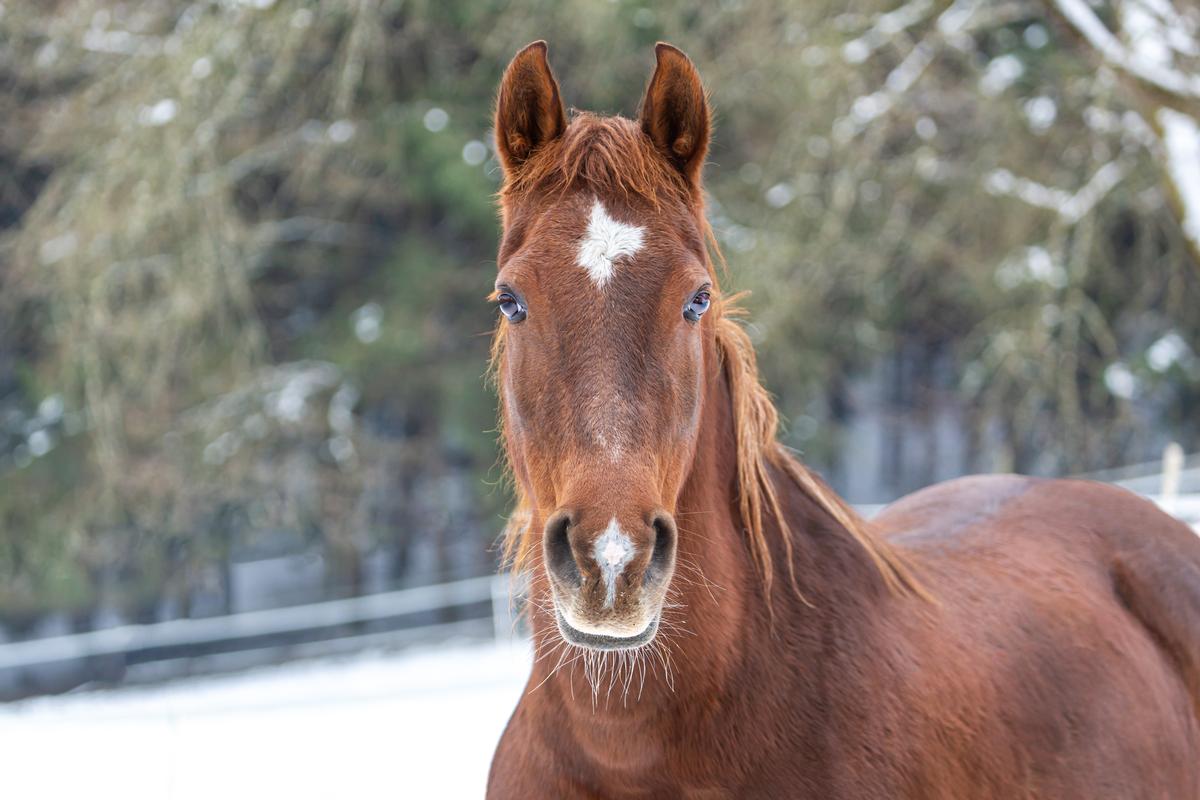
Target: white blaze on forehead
{"x": 612, "y": 552}
{"x": 605, "y": 241}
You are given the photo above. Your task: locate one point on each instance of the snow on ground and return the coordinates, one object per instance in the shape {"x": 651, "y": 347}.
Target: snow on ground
{"x": 409, "y": 725}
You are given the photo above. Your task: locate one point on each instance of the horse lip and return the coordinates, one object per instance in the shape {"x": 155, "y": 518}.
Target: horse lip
{"x": 600, "y": 642}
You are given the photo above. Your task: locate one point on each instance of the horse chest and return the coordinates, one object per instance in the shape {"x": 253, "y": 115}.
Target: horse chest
{"x": 576, "y": 756}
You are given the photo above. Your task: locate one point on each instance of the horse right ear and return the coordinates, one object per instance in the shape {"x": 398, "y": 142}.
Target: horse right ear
{"x": 675, "y": 111}
{"x": 529, "y": 110}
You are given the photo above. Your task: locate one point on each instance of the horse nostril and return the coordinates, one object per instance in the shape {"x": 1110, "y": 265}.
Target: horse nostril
{"x": 559, "y": 557}
{"x": 663, "y": 555}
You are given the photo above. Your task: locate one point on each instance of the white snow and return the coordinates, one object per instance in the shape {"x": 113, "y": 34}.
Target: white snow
{"x": 435, "y": 120}
{"x": 780, "y": 195}
{"x": 1181, "y": 138}
{"x": 1120, "y": 381}
{"x": 474, "y": 152}
{"x": 1040, "y": 111}
{"x": 201, "y": 68}
{"x": 420, "y": 725}
{"x": 160, "y": 113}
{"x": 54, "y": 250}
{"x": 1031, "y": 264}
{"x": 1000, "y": 74}
{"x": 341, "y": 131}
{"x": 1167, "y": 351}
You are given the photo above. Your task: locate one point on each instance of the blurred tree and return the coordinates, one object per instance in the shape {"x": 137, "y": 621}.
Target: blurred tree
{"x": 244, "y": 247}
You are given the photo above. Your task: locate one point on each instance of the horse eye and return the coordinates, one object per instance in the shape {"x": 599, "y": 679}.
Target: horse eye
{"x": 510, "y": 307}
{"x": 698, "y": 305}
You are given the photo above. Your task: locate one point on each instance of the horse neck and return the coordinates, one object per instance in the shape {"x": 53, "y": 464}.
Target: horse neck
{"x": 718, "y": 609}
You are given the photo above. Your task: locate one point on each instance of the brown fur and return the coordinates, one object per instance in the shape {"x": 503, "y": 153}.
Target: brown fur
{"x": 995, "y": 637}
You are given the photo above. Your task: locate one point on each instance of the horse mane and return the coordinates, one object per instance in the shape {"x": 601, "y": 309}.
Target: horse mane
{"x": 756, "y": 426}
{"x": 610, "y": 155}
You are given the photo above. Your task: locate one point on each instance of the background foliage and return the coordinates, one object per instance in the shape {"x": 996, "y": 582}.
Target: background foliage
{"x": 244, "y": 248}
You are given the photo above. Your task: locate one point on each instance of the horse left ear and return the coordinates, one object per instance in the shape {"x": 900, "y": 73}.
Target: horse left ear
{"x": 675, "y": 112}
{"x": 529, "y": 110}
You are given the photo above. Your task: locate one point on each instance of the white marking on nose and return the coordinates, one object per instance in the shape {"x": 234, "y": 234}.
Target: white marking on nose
{"x": 605, "y": 241}
{"x": 612, "y": 552}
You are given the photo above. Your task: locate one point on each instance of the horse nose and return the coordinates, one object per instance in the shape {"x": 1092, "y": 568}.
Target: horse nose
{"x": 598, "y": 558}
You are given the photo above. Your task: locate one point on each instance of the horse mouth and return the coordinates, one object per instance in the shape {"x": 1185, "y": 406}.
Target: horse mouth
{"x": 597, "y": 641}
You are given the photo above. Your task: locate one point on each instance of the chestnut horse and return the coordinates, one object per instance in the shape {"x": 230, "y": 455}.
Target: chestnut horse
{"x": 710, "y": 620}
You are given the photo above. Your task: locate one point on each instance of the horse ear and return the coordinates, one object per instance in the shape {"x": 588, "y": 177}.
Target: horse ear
{"x": 529, "y": 110}
{"x": 675, "y": 112}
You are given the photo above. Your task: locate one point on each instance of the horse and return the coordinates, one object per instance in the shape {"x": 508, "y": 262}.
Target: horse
{"x": 710, "y": 620}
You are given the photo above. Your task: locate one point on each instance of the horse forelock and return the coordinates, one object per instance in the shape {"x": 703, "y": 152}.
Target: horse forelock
{"x": 608, "y": 156}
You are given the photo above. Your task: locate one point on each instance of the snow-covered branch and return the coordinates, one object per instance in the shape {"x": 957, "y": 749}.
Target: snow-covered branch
{"x": 1155, "y": 71}
{"x": 1071, "y": 207}
{"x": 886, "y": 26}
{"x": 950, "y": 23}
{"x": 1155, "y": 38}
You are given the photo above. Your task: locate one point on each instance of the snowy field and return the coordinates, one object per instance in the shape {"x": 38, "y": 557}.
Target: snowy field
{"x": 410, "y": 725}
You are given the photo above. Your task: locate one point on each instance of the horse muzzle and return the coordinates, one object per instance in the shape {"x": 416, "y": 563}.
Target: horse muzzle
{"x": 609, "y": 578}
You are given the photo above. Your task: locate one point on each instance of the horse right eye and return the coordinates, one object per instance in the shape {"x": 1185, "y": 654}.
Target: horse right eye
{"x": 511, "y": 307}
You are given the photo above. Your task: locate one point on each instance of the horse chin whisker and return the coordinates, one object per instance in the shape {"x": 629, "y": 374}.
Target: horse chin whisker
{"x": 620, "y": 668}
{"x": 623, "y": 672}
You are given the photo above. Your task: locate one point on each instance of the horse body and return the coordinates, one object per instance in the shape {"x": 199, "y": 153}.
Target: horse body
{"x": 1031, "y": 676}
{"x": 994, "y": 637}
{"x": 1037, "y": 666}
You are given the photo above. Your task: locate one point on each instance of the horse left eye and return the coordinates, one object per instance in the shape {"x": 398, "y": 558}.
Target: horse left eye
{"x": 699, "y": 304}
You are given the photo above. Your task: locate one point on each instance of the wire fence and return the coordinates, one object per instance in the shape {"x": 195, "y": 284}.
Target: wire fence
{"x": 489, "y": 603}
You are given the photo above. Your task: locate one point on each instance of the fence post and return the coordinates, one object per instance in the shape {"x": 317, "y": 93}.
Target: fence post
{"x": 501, "y": 612}
{"x": 1172, "y": 467}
